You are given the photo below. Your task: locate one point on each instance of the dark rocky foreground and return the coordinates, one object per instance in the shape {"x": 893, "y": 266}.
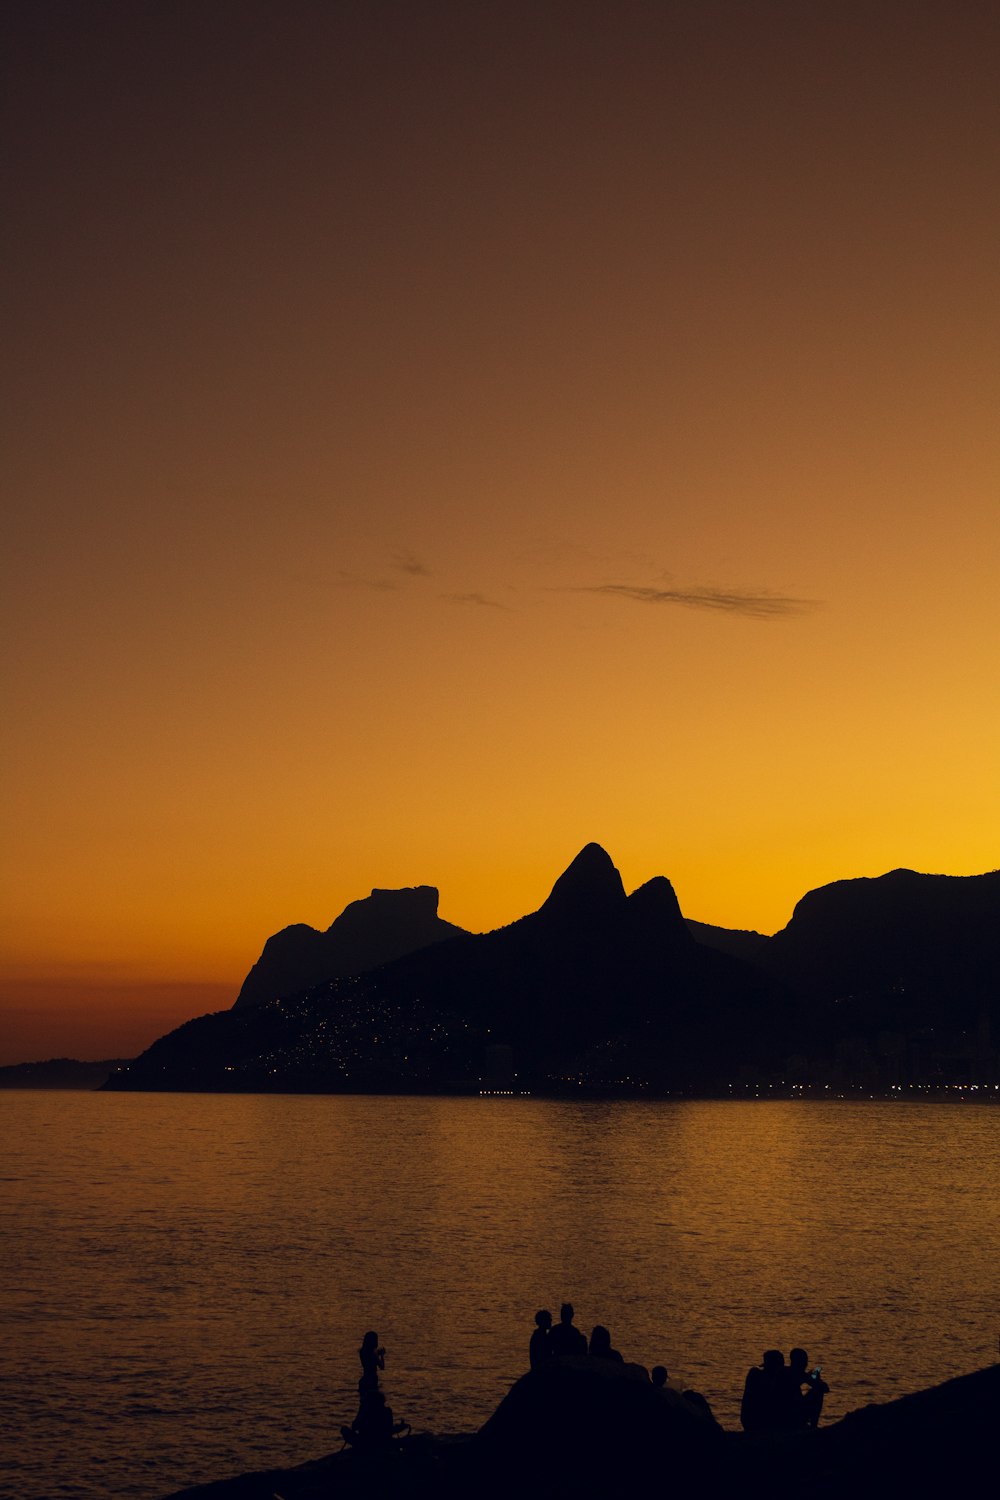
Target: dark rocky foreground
{"x": 584, "y": 1428}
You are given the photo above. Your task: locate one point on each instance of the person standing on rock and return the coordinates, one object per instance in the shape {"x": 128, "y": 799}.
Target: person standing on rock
{"x": 539, "y": 1345}
{"x": 372, "y": 1358}
{"x": 564, "y": 1338}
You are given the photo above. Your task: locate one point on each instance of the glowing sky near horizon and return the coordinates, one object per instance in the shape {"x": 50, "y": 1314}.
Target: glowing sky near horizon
{"x": 440, "y": 435}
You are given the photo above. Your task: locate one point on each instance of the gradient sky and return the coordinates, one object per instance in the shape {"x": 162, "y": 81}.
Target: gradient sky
{"x": 441, "y": 434}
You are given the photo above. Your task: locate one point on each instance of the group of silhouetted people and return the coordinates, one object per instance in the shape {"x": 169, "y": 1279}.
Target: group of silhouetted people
{"x": 782, "y": 1398}
{"x": 557, "y": 1340}
{"x": 373, "y": 1427}
{"x": 777, "y": 1397}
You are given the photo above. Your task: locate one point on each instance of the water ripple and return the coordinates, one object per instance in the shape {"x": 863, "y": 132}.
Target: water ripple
{"x": 187, "y": 1277}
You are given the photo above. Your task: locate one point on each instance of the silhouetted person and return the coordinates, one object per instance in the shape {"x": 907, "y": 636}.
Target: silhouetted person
{"x": 811, "y": 1399}
{"x": 764, "y": 1407}
{"x": 372, "y": 1359}
{"x": 600, "y": 1345}
{"x": 373, "y": 1426}
{"x": 658, "y": 1375}
{"x": 564, "y": 1338}
{"x": 539, "y": 1349}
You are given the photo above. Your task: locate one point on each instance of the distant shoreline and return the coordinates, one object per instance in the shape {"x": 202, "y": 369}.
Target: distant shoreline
{"x": 60, "y": 1073}
{"x": 68, "y": 1074}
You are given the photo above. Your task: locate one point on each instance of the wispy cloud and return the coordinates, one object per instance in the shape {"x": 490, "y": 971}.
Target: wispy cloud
{"x": 479, "y": 599}
{"x": 759, "y": 606}
{"x": 756, "y": 604}
{"x": 407, "y": 562}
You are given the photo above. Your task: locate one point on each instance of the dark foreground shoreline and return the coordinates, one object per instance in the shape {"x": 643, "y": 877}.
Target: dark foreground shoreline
{"x": 586, "y": 1429}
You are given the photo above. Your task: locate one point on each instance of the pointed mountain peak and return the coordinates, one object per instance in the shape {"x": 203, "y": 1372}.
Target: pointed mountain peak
{"x": 654, "y": 911}
{"x": 591, "y": 884}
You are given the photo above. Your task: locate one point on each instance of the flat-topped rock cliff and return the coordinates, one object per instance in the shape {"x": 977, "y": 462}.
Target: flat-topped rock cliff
{"x": 368, "y": 933}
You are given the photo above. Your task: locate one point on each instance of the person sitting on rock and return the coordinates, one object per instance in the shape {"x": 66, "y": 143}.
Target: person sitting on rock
{"x": 373, "y": 1426}
{"x": 764, "y": 1407}
{"x": 564, "y": 1338}
{"x": 372, "y": 1358}
{"x": 811, "y": 1400}
{"x": 539, "y": 1349}
{"x": 600, "y": 1345}
{"x": 658, "y": 1375}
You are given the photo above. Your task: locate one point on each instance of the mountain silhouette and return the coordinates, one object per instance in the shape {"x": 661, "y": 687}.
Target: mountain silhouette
{"x": 590, "y": 888}
{"x": 596, "y": 990}
{"x": 383, "y": 926}
{"x": 602, "y": 992}
{"x": 739, "y": 942}
{"x": 925, "y": 931}
{"x": 903, "y": 953}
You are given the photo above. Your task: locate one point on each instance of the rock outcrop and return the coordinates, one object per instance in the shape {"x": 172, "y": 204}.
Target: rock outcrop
{"x": 583, "y": 1430}
{"x": 367, "y": 934}
{"x": 579, "y": 1426}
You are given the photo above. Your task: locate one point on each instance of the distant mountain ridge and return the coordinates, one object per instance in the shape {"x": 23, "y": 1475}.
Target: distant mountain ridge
{"x": 603, "y": 991}
{"x": 740, "y": 942}
{"x": 899, "y": 927}
{"x": 60, "y": 1073}
{"x": 900, "y": 953}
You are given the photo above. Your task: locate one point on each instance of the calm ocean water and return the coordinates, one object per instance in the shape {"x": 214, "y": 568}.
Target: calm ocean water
{"x": 186, "y": 1277}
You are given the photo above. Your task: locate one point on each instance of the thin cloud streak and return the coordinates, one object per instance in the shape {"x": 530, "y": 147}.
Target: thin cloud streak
{"x": 479, "y": 599}
{"x": 730, "y": 601}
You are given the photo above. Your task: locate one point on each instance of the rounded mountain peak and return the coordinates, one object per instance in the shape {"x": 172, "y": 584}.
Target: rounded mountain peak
{"x": 590, "y": 884}
{"x": 658, "y": 897}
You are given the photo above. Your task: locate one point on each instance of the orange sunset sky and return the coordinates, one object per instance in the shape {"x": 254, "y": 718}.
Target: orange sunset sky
{"x": 441, "y": 434}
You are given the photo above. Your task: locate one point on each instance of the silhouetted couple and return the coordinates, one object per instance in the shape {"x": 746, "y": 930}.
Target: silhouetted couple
{"x": 373, "y": 1427}
{"x": 556, "y": 1341}
{"x": 773, "y": 1395}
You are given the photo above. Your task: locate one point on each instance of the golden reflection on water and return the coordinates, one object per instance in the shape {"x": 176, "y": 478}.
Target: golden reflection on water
{"x": 194, "y": 1273}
